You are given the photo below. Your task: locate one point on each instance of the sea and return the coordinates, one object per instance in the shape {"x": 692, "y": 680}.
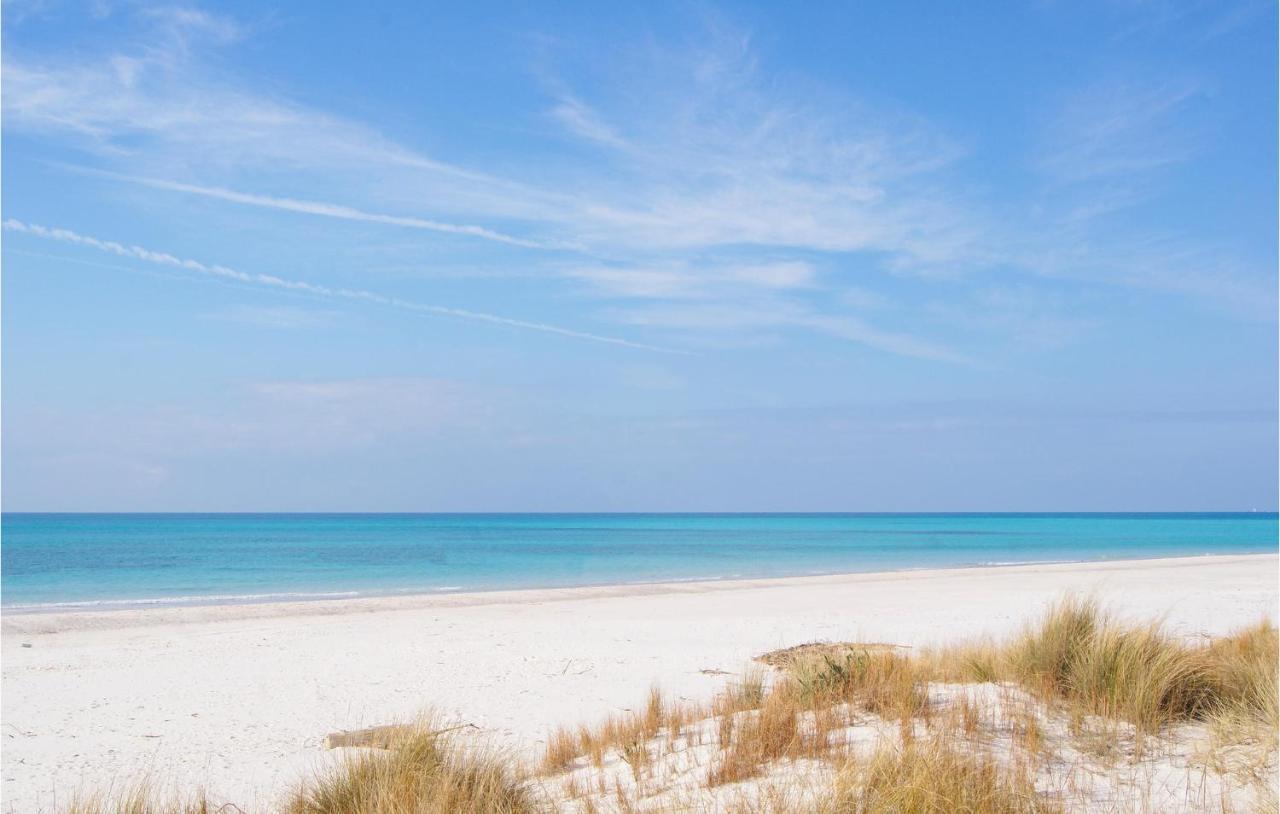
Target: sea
{"x": 67, "y": 561}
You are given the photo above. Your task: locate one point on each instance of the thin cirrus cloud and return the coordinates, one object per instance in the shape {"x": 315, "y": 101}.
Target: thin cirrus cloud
{"x": 743, "y": 168}
{"x": 157, "y": 107}
{"x": 690, "y": 281}
{"x": 329, "y": 210}
{"x": 742, "y": 298}
{"x": 761, "y": 193}
{"x": 785, "y": 184}
{"x": 581, "y": 120}
{"x": 1119, "y": 130}
{"x": 678, "y": 171}
{"x": 771, "y": 315}
{"x": 299, "y": 286}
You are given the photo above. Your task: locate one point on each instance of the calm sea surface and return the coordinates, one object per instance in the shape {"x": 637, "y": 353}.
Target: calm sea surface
{"x": 56, "y": 560}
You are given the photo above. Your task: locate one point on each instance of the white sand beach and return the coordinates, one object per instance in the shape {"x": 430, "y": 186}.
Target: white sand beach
{"x": 237, "y": 699}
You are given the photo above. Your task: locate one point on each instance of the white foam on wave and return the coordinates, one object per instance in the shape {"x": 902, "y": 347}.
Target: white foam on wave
{"x": 1024, "y": 562}
{"x": 658, "y": 581}
{"x": 197, "y": 599}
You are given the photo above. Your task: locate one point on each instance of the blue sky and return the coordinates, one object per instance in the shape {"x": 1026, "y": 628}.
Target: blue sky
{"x": 659, "y": 256}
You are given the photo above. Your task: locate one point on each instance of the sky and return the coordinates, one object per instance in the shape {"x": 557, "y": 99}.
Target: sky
{"x": 911, "y": 256}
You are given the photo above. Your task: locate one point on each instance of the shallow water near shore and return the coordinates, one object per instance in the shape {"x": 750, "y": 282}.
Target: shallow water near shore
{"x": 64, "y": 561}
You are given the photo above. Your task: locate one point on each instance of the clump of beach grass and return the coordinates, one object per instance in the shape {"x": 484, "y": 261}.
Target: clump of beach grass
{"x": 618, "y": 733}
{"x": 423, "y": 772}
{"x": 880, "y": 681}
{"x": 141, "y": 798}
{"x": 1082, "y": 656}
{"x": 760, "y": 736}
{"x": 1138, "y": 673}
{"x": 1245, "y": 725}
{"x": 934, "y": 777}
{"x": 1244, "y": 671}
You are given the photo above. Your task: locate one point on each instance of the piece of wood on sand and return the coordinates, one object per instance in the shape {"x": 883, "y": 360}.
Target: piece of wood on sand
{"x": 375, "y": 737}
{"x": 379, "y": 737}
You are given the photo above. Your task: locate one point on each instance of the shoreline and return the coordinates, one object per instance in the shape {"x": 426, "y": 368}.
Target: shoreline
{"x": 136, "y": 613}
{"x": 65, "y": 563}
{"x": 304, "y": 597}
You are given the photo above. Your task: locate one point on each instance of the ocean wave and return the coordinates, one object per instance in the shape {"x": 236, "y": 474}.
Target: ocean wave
{"x": 656, "y": 581}
{"x": 196, "y": 599}
{"x": 188, "y": 600}
{"x": 994, "y": 563}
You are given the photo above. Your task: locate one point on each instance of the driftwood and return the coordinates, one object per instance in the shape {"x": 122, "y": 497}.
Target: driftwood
{"x": 790, "y": 655}
{"x": 378, "y": 737}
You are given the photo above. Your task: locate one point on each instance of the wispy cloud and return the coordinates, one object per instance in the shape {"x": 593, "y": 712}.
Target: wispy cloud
{"x": 714, "y": 153}
{"x": 153, "y": 104}
{"x": 330, "y": 210}
{"x": 752, "y": 318}
{"x": 1119, "y": 129}
{"x": 749, "y": 299}
{"x": 583, "y": 121}
{"x": 694, "y": 280}
{"x": 299, "y": 286}
{"x": 1107, "y": 152}
{"x": 184, "y": 23}
{"x": 686, "y": 160}
{"x": 717, "y": 162}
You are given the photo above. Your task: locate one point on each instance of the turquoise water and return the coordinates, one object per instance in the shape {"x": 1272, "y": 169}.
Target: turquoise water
{"x": 116, "y": 560}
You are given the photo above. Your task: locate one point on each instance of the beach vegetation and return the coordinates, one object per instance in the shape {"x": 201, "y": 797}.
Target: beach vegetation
{"x": 934, "y": 777}
{"x": 422, "y": 772}
{"x": 142, "y": 798}
{"x": 1023, "y": 726}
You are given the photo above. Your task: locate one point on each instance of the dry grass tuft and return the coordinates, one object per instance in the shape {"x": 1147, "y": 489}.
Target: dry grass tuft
{"x": 934, "y": 777}
{"x": 562, "y": 749}
{"x": 655, "y": 712}
{"x": 1245, "y": 721}
{"x": 422, "y": 773}
{"x": 762, "y": 736}
{"x": 1244, "y": 671}
{"x": 882, "y": 682}
{"x": 619, "y": 732}
{"x": 1080, "y": 655}
{"x": 142, "y": 799}
{"x": 742, "y": 695}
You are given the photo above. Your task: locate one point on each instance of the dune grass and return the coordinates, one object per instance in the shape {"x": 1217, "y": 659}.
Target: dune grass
{"x": 937, "y": 778}
{"x": 878, "y": 681}
{"x": 1244, "y": 670}
{"x": 1136, "y": 673}
{"x": 934, "y": 777}
{"x": 1076, "y": 662}
{"x": 1082, "y": 656}
{"x": 760, "y": 736}
{"x": 422, "y": 773}
{"x": 142, "y": 799}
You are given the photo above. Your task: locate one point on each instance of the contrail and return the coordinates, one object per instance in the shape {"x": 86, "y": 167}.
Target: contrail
{"x": 324, "y": 209}
{"x": 271, "y": 281}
